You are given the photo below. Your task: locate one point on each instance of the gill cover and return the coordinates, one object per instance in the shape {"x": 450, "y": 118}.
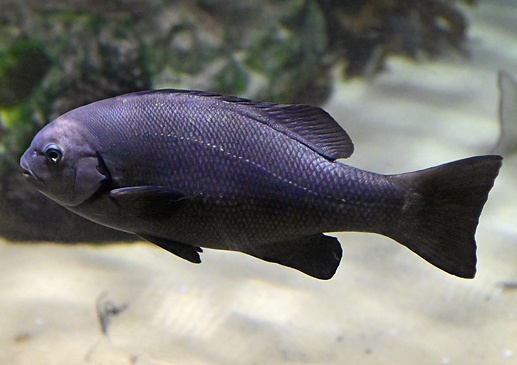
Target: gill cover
{"x": 90, "y": 172}
{"x": 68, "y": 177}
{"x": 62, "y": 163}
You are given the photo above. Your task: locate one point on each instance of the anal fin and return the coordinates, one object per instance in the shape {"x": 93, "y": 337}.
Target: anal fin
{"x": 317, "y": 255}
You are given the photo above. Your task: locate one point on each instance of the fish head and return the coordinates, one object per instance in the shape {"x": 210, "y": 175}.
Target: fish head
{"x": 62, "y": 163}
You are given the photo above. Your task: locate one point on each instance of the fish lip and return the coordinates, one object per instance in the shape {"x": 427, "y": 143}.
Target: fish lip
{"x": 27, "y": 172}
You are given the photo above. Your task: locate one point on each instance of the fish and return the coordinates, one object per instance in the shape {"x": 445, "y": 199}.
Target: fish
{"x": 507, "y": 142}
{"x": 188, "y": 170}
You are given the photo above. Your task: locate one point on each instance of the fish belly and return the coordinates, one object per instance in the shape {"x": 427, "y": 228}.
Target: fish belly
{"x": 268, "y": 209}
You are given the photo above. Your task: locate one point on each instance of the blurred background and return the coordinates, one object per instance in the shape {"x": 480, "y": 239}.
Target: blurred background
{"x": 414, "y": 83}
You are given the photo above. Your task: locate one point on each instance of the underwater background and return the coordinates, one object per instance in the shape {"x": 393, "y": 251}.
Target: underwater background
{"x": 414, "y": 83}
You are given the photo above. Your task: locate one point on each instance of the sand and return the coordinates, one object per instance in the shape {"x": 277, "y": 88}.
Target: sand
{"x": 385, "y": 305}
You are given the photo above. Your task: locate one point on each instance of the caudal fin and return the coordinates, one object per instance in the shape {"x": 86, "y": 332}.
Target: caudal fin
{"x": 442, "y": 211}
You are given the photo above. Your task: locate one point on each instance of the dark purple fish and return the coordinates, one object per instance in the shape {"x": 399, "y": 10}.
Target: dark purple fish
{"x": 189, "y": 169}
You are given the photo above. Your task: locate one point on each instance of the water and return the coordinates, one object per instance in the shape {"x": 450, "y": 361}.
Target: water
{"x": 384, "y": 305}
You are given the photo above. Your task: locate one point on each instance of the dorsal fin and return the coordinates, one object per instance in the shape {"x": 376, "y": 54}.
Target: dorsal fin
{"x": 309, "y": 125}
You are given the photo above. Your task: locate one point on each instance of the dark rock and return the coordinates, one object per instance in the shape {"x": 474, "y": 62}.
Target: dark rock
{"x": 21, "y": 69}
{"x": 69, "y": 53}
{"x": 27, "y": 215}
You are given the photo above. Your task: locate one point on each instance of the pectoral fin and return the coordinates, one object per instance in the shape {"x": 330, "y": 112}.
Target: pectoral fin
{"x": 317, "y": 255}
{"x": 150, "y": 201}
{"x": 187, "y": 252}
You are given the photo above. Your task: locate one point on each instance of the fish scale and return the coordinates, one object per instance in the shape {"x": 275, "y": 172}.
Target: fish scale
{"x": 189, "y": 169}
{"x": 236, "y": 150}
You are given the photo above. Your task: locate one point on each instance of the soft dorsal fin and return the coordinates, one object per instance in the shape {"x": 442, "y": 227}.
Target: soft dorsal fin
{"x": 309, "y": 125}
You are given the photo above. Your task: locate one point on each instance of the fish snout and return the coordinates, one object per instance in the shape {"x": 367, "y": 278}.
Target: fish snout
{"x": 27, "y": 171}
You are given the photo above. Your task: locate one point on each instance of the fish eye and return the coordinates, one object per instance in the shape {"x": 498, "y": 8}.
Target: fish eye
{"x": 53, "y": 153}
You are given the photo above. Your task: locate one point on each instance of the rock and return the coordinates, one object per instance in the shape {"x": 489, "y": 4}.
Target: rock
{"x": 57, "y": 55}
{"x": 27, "y": 215}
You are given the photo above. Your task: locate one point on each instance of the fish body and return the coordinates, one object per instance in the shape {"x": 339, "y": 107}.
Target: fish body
{"x": 188, "y": 169}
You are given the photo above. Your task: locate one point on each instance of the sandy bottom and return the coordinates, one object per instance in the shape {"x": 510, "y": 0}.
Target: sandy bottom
{"x": 384, "y": 306}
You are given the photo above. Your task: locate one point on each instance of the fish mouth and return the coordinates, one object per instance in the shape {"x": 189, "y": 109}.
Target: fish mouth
{"x": 27, "y": 172}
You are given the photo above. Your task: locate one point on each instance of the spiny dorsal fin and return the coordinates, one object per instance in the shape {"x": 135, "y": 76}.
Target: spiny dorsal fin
{"x": 309, "y": 125}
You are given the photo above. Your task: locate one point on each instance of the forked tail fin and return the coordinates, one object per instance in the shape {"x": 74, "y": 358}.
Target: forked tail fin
{"x": 442, "y": 211}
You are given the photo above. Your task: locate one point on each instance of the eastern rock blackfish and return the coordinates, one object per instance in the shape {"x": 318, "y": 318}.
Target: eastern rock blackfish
{"x": 191, "y": 169}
